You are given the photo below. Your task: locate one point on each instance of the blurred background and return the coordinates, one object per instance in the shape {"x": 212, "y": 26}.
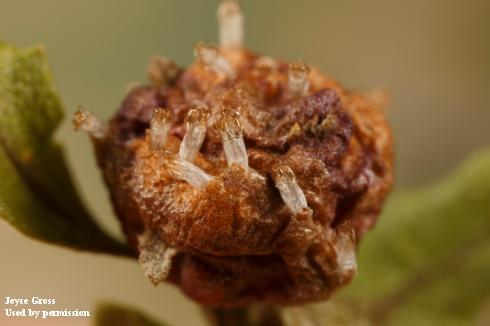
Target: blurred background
{"x": 432, "y": 55}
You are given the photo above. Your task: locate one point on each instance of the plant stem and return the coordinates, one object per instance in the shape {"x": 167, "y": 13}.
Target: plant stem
{"x": 250, "y": 316}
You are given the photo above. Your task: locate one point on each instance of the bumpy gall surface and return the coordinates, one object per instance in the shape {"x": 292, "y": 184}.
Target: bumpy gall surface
{"x": 245, "y": 179}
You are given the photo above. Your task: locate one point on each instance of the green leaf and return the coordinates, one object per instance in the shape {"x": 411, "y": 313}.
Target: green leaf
{"x": 427, "y": 262}
{"x": 37, "y": 194}
{"x": 109, "y": 314}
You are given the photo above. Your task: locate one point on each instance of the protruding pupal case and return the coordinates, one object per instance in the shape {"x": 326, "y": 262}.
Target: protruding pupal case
{"x": 244, "y": 179}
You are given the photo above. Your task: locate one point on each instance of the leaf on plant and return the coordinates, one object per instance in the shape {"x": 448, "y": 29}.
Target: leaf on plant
{"x": 37, "y": 194}
{"x": 109, "y": 314}
{"x": 428, "y": 260}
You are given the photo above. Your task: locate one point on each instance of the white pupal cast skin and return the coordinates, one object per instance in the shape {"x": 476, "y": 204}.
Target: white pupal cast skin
{"x": 298, "y": 78}
{"x": 346, "y": 254}
{"x": 230, "y": 18}
{"x": 155, "y": 256}
{"x": 211, "y": 57}
{"x": 86, "y": 121}
{"x": 196, "y": 131}
{"x": 230, "y": 129}
{"x": 159, "y": 128}
{"x": 291, "y": 193}
{"x": 184, "y": 170}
